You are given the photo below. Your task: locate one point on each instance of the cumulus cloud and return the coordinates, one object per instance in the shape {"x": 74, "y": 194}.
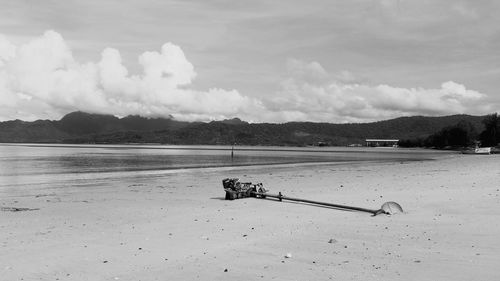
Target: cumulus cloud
{"x": 42, "y": 79}
{"x": 311, "y": 93}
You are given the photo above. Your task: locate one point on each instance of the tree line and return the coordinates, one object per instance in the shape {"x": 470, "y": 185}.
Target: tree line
{"x": 462, "y": 134}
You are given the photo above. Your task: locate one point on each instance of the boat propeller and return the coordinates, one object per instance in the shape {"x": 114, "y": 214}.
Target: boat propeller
{"x": 236, "y": 189}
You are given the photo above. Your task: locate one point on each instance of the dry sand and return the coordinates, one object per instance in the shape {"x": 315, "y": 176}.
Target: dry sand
{"x": 176, "y": 226}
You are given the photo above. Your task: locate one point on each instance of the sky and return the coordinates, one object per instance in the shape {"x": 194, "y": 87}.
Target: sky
{"x": 262, "y": 61}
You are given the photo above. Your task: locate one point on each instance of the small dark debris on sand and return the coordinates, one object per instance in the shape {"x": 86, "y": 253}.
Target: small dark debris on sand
{"x": 17, "y": 209}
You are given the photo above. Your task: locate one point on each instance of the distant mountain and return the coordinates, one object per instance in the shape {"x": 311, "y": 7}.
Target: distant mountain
{"x": 37, "y": 131}
{"x": 81, "y": 123}
{"x": 234, "y": 121}
{"x": 81, "y": 127}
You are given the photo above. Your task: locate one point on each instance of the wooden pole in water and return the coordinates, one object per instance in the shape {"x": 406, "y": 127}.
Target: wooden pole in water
{"x": 232, "y": 152}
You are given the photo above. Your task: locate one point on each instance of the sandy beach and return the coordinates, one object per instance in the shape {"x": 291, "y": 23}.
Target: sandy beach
{"x": 176, "y": 225}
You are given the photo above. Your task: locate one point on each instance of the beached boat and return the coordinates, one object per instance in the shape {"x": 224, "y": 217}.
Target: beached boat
{"x": 478, "y": 150}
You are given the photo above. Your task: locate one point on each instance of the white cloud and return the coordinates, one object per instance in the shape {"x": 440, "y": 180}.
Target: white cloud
{"x": 310, "y": 93}
{"x": 7, "y": 50}
{"x": 42, "y": 79}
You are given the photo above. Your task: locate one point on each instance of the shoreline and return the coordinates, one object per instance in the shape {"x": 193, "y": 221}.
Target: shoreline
{"x": 319, "y": 149}
{"x": 176, "y": 226}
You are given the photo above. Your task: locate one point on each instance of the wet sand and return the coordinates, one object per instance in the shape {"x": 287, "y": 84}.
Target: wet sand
{"x": 176, "y": 226}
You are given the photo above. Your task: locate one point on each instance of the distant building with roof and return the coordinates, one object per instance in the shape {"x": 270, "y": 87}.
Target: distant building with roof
{"x": 382, "y": 142}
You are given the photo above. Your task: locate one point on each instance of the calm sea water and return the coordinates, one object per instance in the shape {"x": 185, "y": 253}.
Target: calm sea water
{"x": 25, "y": 165}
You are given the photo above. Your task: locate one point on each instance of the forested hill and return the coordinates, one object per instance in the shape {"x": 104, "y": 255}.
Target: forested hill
{"x": 80, "y": 127}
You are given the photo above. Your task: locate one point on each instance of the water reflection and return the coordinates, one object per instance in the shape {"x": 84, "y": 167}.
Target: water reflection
{"x": 30, "y": 164}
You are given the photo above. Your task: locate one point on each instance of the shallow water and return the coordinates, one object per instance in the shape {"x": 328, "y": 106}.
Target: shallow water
{"x": 25, "y": 165}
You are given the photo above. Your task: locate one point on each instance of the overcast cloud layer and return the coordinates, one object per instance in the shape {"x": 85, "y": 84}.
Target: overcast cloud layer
{"x": 275, "y": 61}
{"x": 42, "y": 79}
